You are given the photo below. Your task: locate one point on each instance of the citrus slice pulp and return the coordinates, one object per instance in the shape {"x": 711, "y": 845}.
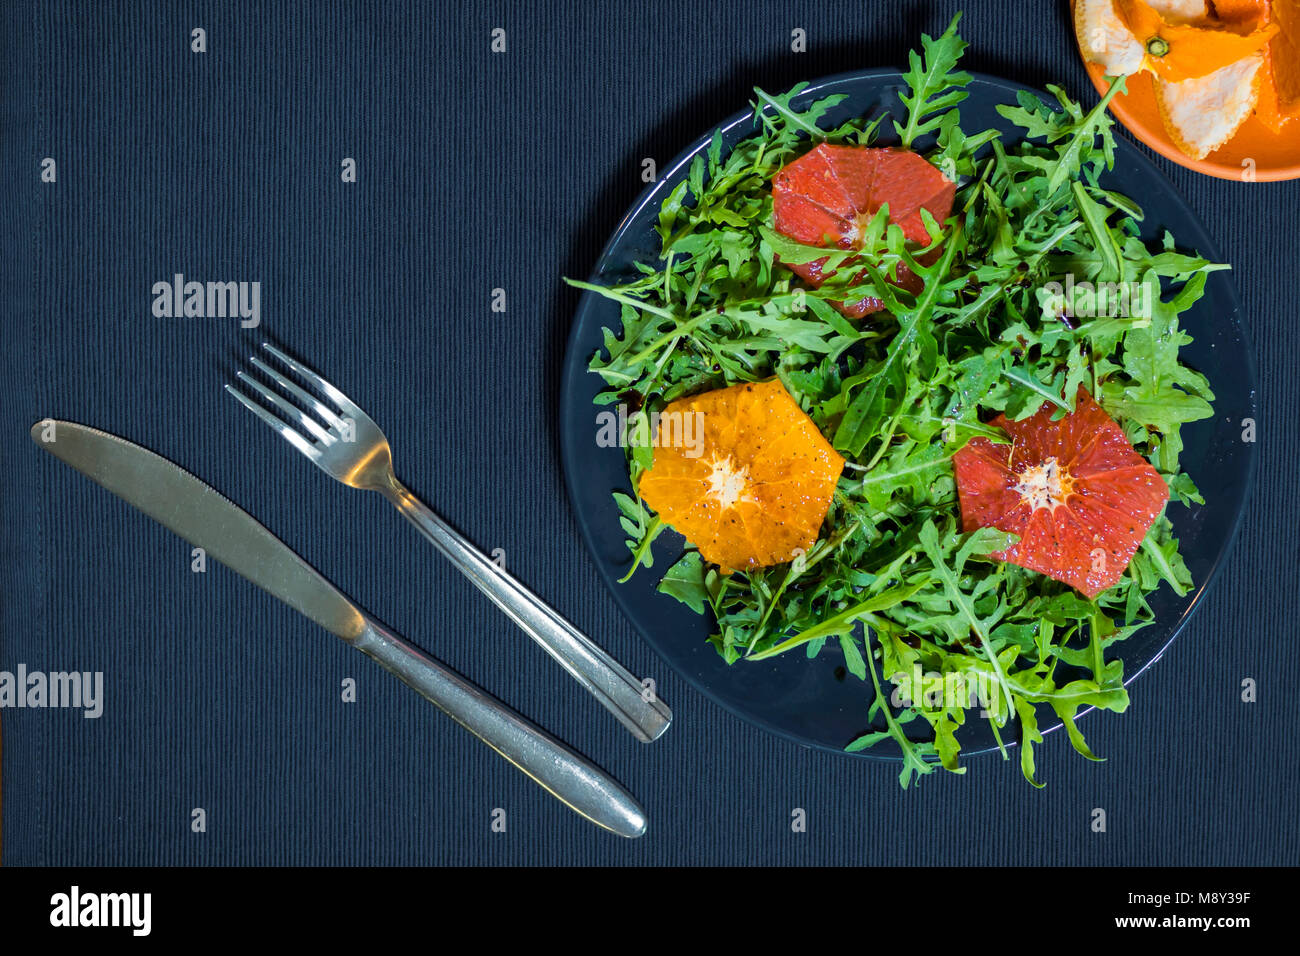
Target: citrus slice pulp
{"x": 828, "y": 196}
{"x": 1075, "y": 490}
{"x": 754, "y": 489}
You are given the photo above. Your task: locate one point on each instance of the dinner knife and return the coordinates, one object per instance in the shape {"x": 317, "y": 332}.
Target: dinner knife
{"x": 199, "y": 514}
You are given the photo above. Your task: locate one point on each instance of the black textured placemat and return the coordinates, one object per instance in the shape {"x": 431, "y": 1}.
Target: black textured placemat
{"x": 480, "y": 171}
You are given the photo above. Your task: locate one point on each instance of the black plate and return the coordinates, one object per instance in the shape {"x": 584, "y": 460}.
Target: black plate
{"x": 812, "y": 702}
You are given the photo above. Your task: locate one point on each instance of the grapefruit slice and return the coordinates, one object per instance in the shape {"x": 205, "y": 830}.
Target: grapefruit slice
{"x": 828, "y": 196}
{"x": 753, "y": 490}
{"x": 1078, "y": 494}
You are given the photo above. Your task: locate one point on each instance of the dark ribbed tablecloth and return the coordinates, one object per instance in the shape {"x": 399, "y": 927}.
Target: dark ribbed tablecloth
{"x": 479, "y": 171}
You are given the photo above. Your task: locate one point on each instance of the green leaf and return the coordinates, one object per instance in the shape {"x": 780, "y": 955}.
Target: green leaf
{"x": 1095, "y": 221}
{"x": 866, "y": 413}
{"x": 853, "y": 657}
{"x": 685, "y": 581}
{"x": 843, "y": 622}
{"x": 1029, "y": 735}
{"x": 933, "y": 84}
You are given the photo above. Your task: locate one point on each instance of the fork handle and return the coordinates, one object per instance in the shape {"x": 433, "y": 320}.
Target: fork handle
{"x": 608, "y": 681}
{"x": 579, "y": 785}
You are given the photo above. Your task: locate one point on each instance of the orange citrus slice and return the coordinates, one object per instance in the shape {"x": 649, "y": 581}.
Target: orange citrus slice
{"x": 755, "y": 489}
{"x": 1075, "y": 490}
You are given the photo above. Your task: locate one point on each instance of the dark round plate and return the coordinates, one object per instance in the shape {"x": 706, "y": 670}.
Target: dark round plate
{"x": 813, "y": 702}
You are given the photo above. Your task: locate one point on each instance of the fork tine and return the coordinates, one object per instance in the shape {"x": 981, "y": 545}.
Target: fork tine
{"x": 286, "y": 432}
{"x": 324, "y": 411}
{"x": 290, "y": 411}
{"x": 342, "y": 401}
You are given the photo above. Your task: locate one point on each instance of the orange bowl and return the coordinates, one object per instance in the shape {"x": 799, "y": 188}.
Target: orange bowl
{"x": 1255, "y": 154}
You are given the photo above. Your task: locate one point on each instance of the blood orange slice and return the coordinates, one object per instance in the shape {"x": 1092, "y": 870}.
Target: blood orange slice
{"x": 751, "y": 487}
{"x": 827, "y": 196}
{"x": 1078, "y": 494}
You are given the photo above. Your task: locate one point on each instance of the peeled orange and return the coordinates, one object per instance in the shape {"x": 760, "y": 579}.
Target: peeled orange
{"x": 755, "y": 491}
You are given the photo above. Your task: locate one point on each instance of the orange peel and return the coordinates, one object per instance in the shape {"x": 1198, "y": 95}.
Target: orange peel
{"x": 1184, "y": 51}
{"x": 1284, "y": 56}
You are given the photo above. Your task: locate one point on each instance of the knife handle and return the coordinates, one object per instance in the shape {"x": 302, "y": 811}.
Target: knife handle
{"x": 622, "y": 694}
{"x": 571, "y": 779}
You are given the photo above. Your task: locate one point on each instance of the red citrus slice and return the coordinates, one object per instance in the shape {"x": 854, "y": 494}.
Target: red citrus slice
{"x": 828, "y": 196}
{"x": 1078, "y": 494}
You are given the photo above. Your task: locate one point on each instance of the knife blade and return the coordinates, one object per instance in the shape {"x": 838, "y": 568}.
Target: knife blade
{"x": 198, "y": 513}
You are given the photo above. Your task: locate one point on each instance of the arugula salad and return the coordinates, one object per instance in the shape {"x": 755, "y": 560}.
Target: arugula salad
{"x": 1002, "y": 321}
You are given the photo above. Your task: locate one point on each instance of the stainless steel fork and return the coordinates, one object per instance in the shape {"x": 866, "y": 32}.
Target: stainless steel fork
{"x": 344, "y": 442}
